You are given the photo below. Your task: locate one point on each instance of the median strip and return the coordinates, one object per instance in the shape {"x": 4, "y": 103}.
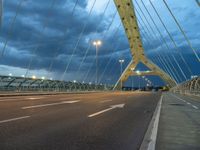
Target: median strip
{"x": 52, "y": 104}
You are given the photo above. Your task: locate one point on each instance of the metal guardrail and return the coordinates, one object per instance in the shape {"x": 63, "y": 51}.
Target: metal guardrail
{"x": 17, "y": 84}
{"x": 190, "y": 87}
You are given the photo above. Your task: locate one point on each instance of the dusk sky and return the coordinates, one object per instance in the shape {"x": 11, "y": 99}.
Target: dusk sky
{"x": 49, "y": 38}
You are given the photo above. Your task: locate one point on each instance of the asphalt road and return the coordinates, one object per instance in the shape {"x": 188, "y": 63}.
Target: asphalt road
{"x": 96, "y": 121}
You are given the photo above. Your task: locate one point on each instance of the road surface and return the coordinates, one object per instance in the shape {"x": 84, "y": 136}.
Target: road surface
{"x": 95, "y": 121}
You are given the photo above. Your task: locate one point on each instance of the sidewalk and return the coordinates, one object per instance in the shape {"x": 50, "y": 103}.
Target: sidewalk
{"x": 179, "y": 124}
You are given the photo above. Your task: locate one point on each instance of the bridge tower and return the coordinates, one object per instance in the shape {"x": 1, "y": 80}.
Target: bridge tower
{"x": 127, "y": 14}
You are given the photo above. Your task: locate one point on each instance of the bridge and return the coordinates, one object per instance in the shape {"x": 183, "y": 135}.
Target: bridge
{"x": 107, "y": 74}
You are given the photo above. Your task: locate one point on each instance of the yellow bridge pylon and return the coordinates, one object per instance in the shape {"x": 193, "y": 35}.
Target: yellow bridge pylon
{"x": 127, "y": 14}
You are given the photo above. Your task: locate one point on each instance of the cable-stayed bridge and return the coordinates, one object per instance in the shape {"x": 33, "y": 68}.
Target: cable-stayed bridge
{"x": 81, "y": 74}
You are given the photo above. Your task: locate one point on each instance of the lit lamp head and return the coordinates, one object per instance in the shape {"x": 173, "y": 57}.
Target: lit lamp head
{"x": 138, "y": 72}
{"x": 10, "y": 74}
{"x": 121, "y": 60}
{"x": 33, "y": 77}
{"x": 97, "y": 43}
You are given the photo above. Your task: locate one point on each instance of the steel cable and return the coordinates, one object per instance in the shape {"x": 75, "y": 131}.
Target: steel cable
{"x": 182, "y": 31}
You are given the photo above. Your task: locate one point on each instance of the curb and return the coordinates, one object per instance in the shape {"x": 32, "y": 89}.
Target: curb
{"x": 149, "y": 141}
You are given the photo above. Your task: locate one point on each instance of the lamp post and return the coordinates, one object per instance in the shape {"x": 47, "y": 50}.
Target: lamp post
{"x": 97, "y": 43}
{"x": 121, "y": 61}
{"x": 138, "y": 73}
{"x": 132, "y": 69}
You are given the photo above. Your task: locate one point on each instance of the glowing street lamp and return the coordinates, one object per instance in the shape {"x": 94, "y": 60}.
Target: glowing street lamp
{"x": 97, "y": 43}
{"x": 33, "y": 77}
{"x": 138, "y": 72}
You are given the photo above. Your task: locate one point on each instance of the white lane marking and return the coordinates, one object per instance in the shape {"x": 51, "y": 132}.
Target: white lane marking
{"x": 52, "y": 104}
{"x": 108, "y": 109}
{"x": 195, "y": 107}
{"x": 34, "y": 98}
{"x": 105, "y": 101}
{"x": 152, "y": 143}
{"x": 20, "y": 99}
{"x": 14, "y": 119}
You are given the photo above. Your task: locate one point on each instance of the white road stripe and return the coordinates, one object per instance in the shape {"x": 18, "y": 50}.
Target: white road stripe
{"x": 104, "y": 101}
{"x": 52, "y": 104}
{"x": 14, "y": 119}
{"x": 195, "y": 107}
{"x": 20, "y": 99}
{"x": 34, "y": 98}
{"x": 108, "y": 109}
{"x": 154, "y": 132}
{"x": 100, "y": 112}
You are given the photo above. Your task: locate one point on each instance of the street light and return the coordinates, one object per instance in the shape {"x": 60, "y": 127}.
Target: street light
{"x": 132, "y": 69}
{"x": 33, "y": 77}
{"x": 121, "y": 61}
{"x": 97, "y": 43}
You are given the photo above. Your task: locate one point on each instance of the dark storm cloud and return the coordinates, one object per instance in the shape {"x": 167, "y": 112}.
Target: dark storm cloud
{"x": 39, "y": 31}
{"x": 39, "y": 34}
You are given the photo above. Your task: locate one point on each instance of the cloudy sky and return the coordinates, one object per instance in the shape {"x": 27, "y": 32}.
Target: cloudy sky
{"x": 53, "y": 38}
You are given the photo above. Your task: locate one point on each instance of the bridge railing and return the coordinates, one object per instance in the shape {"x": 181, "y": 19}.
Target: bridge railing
{"x": 21, "y": 84}
{"x": 190, "y": 87}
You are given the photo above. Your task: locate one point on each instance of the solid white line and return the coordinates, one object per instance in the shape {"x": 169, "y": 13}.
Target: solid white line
{"x": 100, "y": 112}
{"x": 14, "y": 119}
{"x": 34, "y": 98}
{"x": 52, "y": 104}
{"x": 152, "y": 143}
{"x": 104, "y": 101}
{"x": 19, "y": 99}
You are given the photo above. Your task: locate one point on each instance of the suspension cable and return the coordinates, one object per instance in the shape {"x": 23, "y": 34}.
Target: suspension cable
{"x": 164, "y": 41}
{"x": 37, "y": 47}
{"x": 11, "y": 27}
{"x": 61, "y": 41}
{"x": 171, "y": 38}
{"x": 115, "y": 47}
{"x": 160, "y": 58}
{"x": 182, "y": 31}
{"x": 104, "y": 34}
{"x": 89, "y": 45}
{"x": 164, "y": 38}
{"x": 154, "y": 37}
{"x": 77, "y": 43}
